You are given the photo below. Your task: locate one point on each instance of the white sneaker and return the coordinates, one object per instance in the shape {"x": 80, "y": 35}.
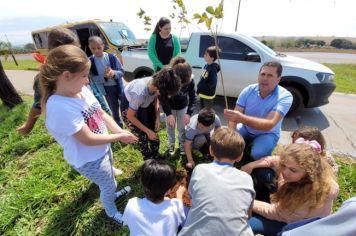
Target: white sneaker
{"x": 171, "y": 149}
{"x": 117, "y": 218}
{"x": 117, "y": 171}
{"x": 122, "y": 192}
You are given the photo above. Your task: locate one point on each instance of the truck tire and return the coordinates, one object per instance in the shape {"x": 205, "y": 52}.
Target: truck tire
{"x": 297, "y": 99}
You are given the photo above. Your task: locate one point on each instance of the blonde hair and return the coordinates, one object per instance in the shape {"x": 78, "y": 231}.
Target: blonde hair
{"x": 226, "y": 143}
{"x": 313, "y": 189}
{"x": 63, "y": 58}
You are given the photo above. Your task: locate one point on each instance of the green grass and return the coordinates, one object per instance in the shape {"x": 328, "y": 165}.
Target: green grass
{"x": 22, "y": 64}
{"x": 345, "y": 77}
{"x": 42, "y": 195}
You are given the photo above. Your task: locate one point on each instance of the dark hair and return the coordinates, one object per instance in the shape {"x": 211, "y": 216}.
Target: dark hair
{"x": 162, "y": 22}
{"x": 167, "y": 82}
{"x": 274, "y": 64}
{"x": 62, "y": 36}
{"x": 182, "y": 68}
{"x": 157, "y": 177}
{"x": 310, "y": 133}
{"x": 211, "y": 51}
{"x": 206, "y": 116}
{"x": 226, "y": 143}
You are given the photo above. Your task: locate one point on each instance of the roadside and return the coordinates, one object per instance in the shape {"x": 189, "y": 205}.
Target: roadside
{"x": 335, "y": 119}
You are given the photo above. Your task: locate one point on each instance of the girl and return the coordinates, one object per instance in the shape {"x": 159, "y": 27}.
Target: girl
{"x": 313, "y": 133}
{"x": 140, "y": 107}
{"x": 179, "y": 108}
{"x": 106, "y": 72}
{"x": 306, "y": 189}
{"x": 162, "y": 45}
{"x": 74, "y": 118}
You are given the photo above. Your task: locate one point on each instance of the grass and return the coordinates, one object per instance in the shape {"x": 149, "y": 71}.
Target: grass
{"x": 42, "y": 194}
{"x": 29, "y": 64}
{"x": 345, "y": 77}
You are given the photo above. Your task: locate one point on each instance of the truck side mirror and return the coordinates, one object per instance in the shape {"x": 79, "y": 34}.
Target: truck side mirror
{"x": 253, "y": 56}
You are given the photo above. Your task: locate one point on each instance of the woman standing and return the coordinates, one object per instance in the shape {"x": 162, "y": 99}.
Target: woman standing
{"x": 162, "y": 45}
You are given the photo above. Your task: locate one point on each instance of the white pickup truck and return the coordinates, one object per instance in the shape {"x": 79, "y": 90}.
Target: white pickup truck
{"x": 241, "y": 58}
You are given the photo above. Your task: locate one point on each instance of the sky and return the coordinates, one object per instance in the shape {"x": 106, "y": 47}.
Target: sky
{"x": 257, "y": 17}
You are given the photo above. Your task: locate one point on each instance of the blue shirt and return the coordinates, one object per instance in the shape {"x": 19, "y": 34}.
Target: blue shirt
{"x": 280, "y": 100}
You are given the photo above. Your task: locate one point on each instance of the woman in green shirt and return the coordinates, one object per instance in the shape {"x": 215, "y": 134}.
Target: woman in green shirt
{"x": 162, "y": 45}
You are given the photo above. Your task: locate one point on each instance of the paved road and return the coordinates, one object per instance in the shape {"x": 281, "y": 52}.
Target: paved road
{"x": 336, "y": 119}
{"x": 323, "y": 57}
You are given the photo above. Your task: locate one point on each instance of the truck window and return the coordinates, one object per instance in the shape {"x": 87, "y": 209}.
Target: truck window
{"x": 231, "y": 49}
{"x": 118, "y": 33}
{"x": 41, "y": 40}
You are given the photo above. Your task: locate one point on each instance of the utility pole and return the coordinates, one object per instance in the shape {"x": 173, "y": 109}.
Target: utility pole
{"x": 237, "y": 16}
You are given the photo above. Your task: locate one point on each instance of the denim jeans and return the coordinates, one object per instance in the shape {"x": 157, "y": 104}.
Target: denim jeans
{"x": 113, "y": 97}
{"x": 262, "y": 146}
{"x": 261, "y": 225}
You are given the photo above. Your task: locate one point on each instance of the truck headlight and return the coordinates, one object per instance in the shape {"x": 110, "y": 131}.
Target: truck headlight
{"x": 325, "y": 77}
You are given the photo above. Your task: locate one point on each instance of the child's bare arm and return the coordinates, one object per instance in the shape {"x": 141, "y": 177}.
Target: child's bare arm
{"x": 180, "y": 192}
{"x": 188, "y": 152}
{"x": 87, "y": 137}
{"x": 248, "y": 168}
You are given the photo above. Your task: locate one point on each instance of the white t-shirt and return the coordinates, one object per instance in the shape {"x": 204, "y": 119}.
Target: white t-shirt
{"x": 65, "y": 116}
{"x": 147, "y": 218}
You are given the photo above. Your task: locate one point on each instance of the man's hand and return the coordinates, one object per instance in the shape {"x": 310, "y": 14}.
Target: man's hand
{"x": 233, "y": 115}
{"x": 151, "y": 135}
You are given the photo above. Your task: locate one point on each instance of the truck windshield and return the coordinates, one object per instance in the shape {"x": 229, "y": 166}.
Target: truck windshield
{"x": 118, "y": 33}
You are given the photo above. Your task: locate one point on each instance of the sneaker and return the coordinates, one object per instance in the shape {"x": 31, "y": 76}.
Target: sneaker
{"x": 171, "y": 149}
{"x": 181, "y": 151}
{"x": 117, "y": 218}
{"x": 122, "y": 192}
{"x": 116, "y": 171}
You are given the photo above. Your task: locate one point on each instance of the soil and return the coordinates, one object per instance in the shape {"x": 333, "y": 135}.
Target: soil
{"x": 183, "y": 178}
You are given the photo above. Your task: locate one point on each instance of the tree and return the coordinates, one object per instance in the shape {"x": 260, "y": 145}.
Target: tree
{"x": 341, "y": 43}
{"x": 29, "y": 47}
{"x": 8, "y": 93}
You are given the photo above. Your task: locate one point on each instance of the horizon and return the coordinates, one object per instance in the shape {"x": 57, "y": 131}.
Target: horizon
{"x": 278, "y": 18}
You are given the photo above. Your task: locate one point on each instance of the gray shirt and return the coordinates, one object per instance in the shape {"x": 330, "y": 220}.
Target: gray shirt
{"x": 193, "y": 130}
{"x": 221, "y": 197}
{"x": 138, "y": 95}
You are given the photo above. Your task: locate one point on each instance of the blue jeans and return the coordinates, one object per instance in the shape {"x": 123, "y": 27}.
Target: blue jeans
{"x": 113, "y": 97}
{"x": 261, "y": 225}
{"x": 262, "y": 146}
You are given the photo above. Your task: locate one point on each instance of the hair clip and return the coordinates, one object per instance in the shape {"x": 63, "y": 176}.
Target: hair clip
{"x": 313, "y": 143}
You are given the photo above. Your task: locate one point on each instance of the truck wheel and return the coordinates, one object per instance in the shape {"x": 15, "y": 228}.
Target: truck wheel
{"x": 297, "y": 99}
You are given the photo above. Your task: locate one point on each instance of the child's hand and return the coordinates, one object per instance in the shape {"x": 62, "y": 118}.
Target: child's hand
{"x": 180, "y": 191}
{"x": 190, "y": 165}
{"x": 151, "y": 135}
{"x": 171, "y": 121}
{"x": 127, "y": 137}
{"x": 109, "y": 73}
{"x": 157, "y": 124}
{"x": 186, "y": 119}
{"x": 247, "y": 168}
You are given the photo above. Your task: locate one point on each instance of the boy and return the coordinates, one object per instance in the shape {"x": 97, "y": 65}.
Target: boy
{"x": 197, "y": 133}
{"x": 106, "y": 71}
{"x": 155, "y": 215}
{"x": 208, "y": 79}
{"x": 222, "y": 195}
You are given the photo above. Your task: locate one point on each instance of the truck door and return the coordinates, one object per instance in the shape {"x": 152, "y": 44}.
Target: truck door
{"x": 237, "y": 71}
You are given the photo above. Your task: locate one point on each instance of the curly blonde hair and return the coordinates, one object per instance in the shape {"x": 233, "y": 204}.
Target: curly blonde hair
{"x": 312, "y": 191}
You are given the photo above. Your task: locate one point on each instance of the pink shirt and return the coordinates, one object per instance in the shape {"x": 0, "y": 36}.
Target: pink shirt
{"x": 273, "y": 212}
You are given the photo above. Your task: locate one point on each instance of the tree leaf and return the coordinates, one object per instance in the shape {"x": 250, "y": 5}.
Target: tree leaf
{"x": 208, "y": 22}
{"x": 196, "y": 16}
{"x": 210, "y": 10}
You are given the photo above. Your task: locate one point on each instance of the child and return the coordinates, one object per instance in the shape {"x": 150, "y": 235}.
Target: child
{"x": 197, "y": 133}
{"x": 155, "y": 215}
{"x": 221, "y": 195}
{"x": 106, "y": 71}
{"x": 140, "y": 107}
{"x": 208, "y": 79}
{"x": 56, "y": 37}
{"x": 306, "y": 189}
{"x": 313, "y": 133}
{"x": 179, "y": 108}
{"x": 74, "y": 118}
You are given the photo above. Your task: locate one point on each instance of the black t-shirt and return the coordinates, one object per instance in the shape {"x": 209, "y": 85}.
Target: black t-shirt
{"x": 164, "y": 49}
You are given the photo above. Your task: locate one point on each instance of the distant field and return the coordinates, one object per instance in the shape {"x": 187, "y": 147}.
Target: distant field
{"x": 27, "y": 64}
{"x": 345, "y": 77}
{"x": 327, "y": 50}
